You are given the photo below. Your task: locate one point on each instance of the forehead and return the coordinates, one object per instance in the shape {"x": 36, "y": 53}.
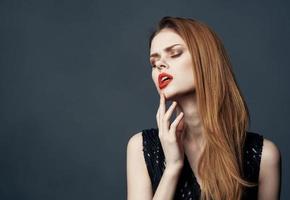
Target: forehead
{"x": 165, "y": 38}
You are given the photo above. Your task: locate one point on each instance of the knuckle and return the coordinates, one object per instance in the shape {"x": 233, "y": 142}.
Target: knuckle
{"x": 173, "y": 106}
{"x": 166, "y": 116}
{"x": 173, "y": 126}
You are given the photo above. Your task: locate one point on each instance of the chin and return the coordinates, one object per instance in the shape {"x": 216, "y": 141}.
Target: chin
{"x": 174, "y": 95}
{"x": 170, "y": 95}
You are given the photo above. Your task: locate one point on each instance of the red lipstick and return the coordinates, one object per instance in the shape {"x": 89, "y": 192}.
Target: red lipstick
{"x": 164, "y": 79}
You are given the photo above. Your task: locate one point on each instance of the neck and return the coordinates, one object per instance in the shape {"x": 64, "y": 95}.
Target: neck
{"x": 192, "y": 123}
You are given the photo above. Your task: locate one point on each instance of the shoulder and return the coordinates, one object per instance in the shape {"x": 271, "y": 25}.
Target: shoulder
{"x": 266, "y": 149}
{"x": 270, "y": 171}
{"x": 134, "y": 146}
{"x": 135, "y": 141}
{"x": 147, "y": 139}
{"x": 145, "y": 135}
{"x": 270, "y": 159}
{"x": 138, "y": 180}
{"x": 143, "y": 139}
{"x": 271, "y": 153}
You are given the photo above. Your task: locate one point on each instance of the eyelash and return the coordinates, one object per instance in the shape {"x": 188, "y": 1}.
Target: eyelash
{"x": 174, "y": 56}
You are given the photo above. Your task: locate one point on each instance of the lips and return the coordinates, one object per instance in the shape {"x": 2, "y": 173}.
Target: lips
{"x": 164, "y": 79}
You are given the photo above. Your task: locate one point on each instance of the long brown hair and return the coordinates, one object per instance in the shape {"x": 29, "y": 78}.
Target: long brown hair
{"x": 224, "y": 113}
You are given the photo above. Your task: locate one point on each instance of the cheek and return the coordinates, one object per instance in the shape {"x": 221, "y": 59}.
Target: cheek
{"x": 187, "y": 68}
{"x": 187, "y": 63}
{"x": 185, "y": 73}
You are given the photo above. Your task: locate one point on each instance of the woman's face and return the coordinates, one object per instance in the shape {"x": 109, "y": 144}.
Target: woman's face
{"x": 169, "y": 54}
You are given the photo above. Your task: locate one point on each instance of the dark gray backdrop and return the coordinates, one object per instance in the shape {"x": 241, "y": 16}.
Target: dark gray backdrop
{"x": 75, "y": 84}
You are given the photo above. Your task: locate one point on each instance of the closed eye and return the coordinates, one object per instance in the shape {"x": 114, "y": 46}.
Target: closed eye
{"x": 173, "y": 56}
{"x": 176, "y": 55}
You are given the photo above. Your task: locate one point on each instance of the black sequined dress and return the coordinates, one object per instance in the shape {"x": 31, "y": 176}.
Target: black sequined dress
{"x": 187, "y": 186}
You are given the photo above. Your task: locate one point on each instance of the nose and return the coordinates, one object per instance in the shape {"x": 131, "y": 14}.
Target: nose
{"x": 161, "y": 65}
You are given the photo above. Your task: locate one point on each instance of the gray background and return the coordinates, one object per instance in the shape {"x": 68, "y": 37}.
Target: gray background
{"x": 75, "y": 84}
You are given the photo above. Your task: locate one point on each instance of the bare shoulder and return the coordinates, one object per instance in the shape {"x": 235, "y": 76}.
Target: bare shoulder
{"x": 270, "y": 171}
{"x": 135, "y": 141}
{"x": 138, "y": 180}
{"x": 135, "y": 150}
{"x": 270, "y": 154}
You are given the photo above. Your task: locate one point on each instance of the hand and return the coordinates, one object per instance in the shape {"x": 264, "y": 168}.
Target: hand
{"x": 170, "y": 137}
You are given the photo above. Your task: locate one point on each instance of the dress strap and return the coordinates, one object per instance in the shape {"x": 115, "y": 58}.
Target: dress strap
{"x": 252, "y": 155}
{"x": 154, "y": 156}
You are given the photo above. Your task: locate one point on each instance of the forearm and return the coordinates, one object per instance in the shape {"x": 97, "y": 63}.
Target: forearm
{"x": 167, "y": 185}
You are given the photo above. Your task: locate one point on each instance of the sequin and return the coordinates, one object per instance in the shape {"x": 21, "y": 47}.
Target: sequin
{"x": 254, "y": 150}
{"x": 187, "y": 187}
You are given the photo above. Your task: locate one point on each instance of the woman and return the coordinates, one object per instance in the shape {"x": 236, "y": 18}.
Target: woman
{"x": 206, "y": 152}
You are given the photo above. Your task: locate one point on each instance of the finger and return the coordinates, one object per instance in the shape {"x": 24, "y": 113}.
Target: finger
{"x": 162, "y": 105}
{"x": 161, "y": 113}
{"x": 164, "y": 122}
{"x": 175, "y": 122}
{"x": 157, "y": 117}
{"x": 170, "y": 110}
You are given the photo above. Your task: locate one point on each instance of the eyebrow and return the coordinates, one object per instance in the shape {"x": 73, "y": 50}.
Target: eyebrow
{"x": 166, "y": 49}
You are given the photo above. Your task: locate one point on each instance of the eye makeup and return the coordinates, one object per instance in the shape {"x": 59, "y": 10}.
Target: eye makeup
{"x": 172, "y": 53}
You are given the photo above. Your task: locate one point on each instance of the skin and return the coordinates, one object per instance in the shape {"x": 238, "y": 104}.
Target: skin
{"x": 180, "y": 90}
{"x": 185, "y": 134}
